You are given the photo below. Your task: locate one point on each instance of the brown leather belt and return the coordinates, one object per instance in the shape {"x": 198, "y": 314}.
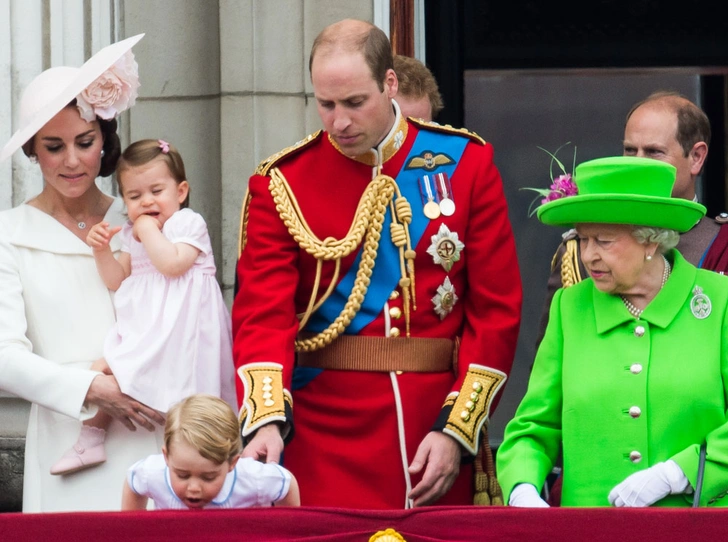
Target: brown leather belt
{"x": 383, "y": 354}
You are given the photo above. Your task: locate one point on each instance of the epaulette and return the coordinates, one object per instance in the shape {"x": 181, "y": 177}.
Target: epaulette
{"x": 265, "y": 166}
{"x": 446, "y": 128}
{"x": 565, "y": 238}
{"x": 722, "y": 218}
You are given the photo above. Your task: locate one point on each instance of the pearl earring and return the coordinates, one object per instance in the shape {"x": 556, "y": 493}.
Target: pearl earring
{"x": 648, "y": 257}
{"x": 33, "y": 158}
{"x": 103, "y": 152}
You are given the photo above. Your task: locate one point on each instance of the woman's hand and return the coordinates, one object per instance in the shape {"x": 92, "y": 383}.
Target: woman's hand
{"x": 106, "y": 394}
{"x": 646, "y": 487}
{"x": 526, "y": 496}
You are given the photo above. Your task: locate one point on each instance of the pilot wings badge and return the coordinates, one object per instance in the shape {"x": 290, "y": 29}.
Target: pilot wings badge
{"x": 428, "y": 160}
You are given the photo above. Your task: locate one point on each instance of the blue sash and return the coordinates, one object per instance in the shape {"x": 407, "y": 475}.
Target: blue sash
{"x": 386, "y": 273}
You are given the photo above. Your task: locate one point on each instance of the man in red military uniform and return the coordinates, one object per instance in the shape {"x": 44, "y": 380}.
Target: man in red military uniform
{"x": 379, "y": 295}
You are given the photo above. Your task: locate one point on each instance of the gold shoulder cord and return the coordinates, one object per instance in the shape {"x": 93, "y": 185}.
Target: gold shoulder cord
{"x": 367, "y": 224}
{"x": 570, "y": 273}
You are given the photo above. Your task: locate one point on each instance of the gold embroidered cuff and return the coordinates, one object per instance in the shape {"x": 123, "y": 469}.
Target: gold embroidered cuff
{"x": 472, "y": 405}
{"x": 265, "y": 398}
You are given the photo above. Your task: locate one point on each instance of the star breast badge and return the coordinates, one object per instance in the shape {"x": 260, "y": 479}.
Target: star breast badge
{"x": 445, "y": 247}
{"x": 445, "y": 298}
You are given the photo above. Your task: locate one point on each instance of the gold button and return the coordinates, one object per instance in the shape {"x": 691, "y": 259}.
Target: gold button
{"x": 394, "y": 295}
{"x": 394, "y": 332}
{"x": 474, "y": 397}
{"x": 635, "y": 456}
{"x": 639, "y": 331}
{"x": 635, "y": 411}
{"x": 470, "y": 405}
{"x": 477, "y": 386}
{"x": 465, "y": 415}
{"x": 398, "y": 372}
{"x": 395, "y": 312}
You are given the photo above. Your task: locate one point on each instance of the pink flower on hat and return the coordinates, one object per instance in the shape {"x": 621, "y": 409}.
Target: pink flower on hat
{"x": 562, "y": 187}
{"x": 113, "y": 92}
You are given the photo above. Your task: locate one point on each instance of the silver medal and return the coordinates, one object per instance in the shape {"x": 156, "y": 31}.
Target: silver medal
{"x": 700, "y": 304}
{"x": 447, "y": 207}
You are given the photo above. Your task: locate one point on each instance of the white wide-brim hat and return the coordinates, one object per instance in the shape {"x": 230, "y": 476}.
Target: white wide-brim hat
{"x": 55, "y": 88}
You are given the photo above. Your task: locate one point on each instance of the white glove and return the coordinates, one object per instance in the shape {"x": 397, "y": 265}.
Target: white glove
{"x": 526, "y": 496}
{"x": 648, "y": 486}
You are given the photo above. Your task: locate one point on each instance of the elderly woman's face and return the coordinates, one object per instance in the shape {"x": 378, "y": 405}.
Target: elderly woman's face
{"x": 613, "y": 258}
{"x": 69, "y": 152}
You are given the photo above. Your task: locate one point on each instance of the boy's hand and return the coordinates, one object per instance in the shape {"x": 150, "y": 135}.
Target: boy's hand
{"x": 99, "y": 236}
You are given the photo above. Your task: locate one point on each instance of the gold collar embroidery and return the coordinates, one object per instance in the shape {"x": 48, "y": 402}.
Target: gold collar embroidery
{"x": 387, "y": 148}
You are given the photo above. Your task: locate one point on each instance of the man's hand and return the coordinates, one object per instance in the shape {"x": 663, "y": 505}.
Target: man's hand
{"x": 266, "y": 445}
{"x": 439, "y": 455}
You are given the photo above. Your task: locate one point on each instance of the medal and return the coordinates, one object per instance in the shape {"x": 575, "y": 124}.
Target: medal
{"x": 447, "y": 205}
{"x": 445, "y": 248}
{"x": 700, "y": 304}
{"x": 445, "y": 298}
{"x": 431, "y": 208}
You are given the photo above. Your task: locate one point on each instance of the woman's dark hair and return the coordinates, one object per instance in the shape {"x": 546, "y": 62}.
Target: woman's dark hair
{"x": 112, "y": 144}
{"x": 112, "y": 147}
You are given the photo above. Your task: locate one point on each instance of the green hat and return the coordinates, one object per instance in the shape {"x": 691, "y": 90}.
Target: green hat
{"x": 623, "y": 190}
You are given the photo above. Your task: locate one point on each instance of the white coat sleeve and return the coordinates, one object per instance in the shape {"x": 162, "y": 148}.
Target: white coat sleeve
{"x": 23, "y": 373}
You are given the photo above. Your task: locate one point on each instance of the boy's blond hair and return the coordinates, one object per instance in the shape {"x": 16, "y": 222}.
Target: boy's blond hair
{"x": 208, "y": 424}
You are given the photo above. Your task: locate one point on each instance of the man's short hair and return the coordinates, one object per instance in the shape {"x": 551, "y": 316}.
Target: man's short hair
{"x": 416, "y": 81}
{"x": 368, "y": 39}
{"x": 693, "y": 125}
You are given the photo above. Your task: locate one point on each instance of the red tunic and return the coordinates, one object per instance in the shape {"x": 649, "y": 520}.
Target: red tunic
{"x": 346, "y": 448}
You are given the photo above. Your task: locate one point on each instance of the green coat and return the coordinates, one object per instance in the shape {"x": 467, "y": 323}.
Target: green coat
{"x": 597, "y": 363}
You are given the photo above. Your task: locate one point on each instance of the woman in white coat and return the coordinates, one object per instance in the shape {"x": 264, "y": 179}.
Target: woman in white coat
{"x": 54, "y": 309}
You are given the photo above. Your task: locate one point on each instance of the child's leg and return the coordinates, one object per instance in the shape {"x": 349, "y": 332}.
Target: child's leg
{"x": 89, "y": 449}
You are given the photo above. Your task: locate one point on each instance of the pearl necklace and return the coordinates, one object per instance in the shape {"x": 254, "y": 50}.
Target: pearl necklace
{"x": 634, "y": 311}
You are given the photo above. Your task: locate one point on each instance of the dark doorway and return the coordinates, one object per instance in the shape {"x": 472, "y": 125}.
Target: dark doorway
{"x": 524, "y": 74}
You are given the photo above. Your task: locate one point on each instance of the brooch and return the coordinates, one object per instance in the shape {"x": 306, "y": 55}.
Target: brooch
{"x": 445, "y": 298}
{"x": 700, "y": 304}
{"x": 445, "y": 248}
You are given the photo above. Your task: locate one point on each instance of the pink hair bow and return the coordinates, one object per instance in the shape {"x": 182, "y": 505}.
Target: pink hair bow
{"x": 164, "y": 146}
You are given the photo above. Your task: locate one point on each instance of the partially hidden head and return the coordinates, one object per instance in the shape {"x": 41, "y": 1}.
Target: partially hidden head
{"x": 106, "y": 85}
{"x": 352, "y": 73}
{"x": 669, "y": 127}
{"x": 418, "y": 94}
{"x": 152, "y": 179}
{"x": 623, "y": 190}
{"x": 201, "y": 445}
